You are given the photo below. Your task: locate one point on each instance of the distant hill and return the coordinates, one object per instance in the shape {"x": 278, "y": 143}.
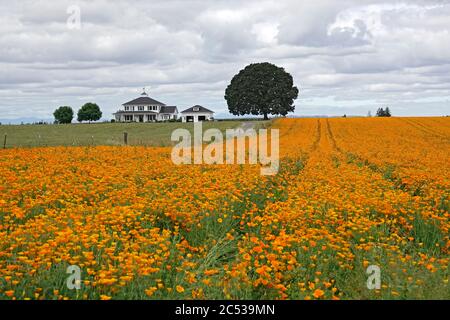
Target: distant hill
{"x": 25, "y": 120}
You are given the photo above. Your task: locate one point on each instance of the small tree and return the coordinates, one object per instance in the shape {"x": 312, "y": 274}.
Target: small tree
{"x": 383, "y": 112}
{"x": 380, "y": 112}
{"x": 261, "y": 89}
{"x": 387, "y": 112}
{"x": 89, "y": 112}
{"x": 63, "y": 114}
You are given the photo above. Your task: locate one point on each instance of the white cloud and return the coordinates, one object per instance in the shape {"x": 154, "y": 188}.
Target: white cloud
{"x": 266, "y": 32}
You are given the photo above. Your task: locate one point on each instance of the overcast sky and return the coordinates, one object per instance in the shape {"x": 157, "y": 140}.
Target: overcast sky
{"x": 346, "y": 56}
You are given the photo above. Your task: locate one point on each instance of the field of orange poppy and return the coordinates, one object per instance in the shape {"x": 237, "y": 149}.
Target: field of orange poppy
{"x": 350, "y": 193}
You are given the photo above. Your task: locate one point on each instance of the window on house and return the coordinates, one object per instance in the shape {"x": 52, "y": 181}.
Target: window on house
{"x": 196, "y": 109}
{"x": 127, "y": 108}
{"x": 141, "y": 108}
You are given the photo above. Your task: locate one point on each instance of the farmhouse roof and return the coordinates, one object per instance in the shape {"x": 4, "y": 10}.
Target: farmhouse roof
{"x": 144, "y": 99}
{"x": 168, "y": 109}
{"x": 199, "y": 109}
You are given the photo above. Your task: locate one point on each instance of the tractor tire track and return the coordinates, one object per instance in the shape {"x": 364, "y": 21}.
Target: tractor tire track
{"x": 318, "y": 136}
{"x": 387, "y": 172}
{"x": 425, "y": 129}
{"x": 332, "y": 139}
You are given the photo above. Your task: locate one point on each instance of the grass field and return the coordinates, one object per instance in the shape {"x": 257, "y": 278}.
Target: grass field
{"x": 351, "y": 193}
{"x": 148, "y": 134}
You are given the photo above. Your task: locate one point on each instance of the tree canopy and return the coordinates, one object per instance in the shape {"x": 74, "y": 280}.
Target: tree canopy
{"x": 63, "y": 114}
{"x": 383, "y": 112}
{"x": 261, "y": 89}
{"x": 89, "y": 112}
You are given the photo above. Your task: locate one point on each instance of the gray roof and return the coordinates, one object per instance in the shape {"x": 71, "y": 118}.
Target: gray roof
{"x": 168, "y": 109}
{"x": 144, "y": 100}
{"x": 200, "y": 109}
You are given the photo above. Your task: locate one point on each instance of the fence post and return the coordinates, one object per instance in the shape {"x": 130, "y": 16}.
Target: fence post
{"x": 4, "y": 142}
{"x": 125, "y": 138}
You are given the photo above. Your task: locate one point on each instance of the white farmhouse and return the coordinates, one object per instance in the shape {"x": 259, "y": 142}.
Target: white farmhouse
{"x": 145, "y": 109}
{"x": 197, "y": 113}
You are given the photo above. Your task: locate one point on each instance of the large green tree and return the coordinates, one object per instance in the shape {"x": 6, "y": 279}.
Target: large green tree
{"x": 89, "y": 112}
{"x": 261, "y": 89}
{"x": 63, "y": 114}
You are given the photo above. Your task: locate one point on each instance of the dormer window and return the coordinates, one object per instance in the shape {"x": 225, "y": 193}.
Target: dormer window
{"x": 195, "y": 109}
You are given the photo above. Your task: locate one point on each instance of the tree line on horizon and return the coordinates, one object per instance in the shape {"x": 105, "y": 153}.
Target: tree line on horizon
{"x": 88, "y": 112}
{"x": 383, "y": 112}
{"x": 258, "y": 89}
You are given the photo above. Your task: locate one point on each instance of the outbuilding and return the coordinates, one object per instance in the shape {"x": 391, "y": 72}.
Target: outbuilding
{"x": 197, "y": 113}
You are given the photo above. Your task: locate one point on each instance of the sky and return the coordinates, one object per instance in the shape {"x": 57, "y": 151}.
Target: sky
{"x": 346, "y": 56}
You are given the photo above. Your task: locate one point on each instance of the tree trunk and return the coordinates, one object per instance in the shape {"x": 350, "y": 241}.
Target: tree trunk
{"x": 266, "y": 117}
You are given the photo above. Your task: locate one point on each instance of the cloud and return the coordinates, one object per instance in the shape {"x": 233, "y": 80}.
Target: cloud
{"x": 354, "y": 53}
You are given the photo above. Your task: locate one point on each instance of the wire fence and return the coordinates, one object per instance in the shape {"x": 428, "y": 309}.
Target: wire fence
{"x": 12, "y": 141}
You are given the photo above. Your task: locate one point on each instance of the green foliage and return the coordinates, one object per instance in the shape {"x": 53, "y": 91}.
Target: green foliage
{"x": 261, "y": 89}
{"x": 428, "y": 234}
{"x": 387, "y": 112}
{"x": 384, "y": 112}
{"x": 89, "y": 112}
{"x": 63, "y": 114}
